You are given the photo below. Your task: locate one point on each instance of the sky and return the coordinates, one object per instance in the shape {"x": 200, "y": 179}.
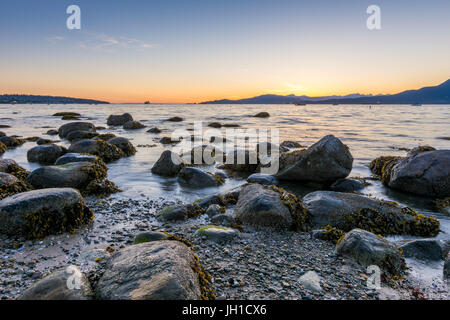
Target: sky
{"x": 186, "y": 51}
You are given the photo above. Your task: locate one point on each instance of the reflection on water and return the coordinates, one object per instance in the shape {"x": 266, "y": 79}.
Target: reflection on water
{"x": 369, "y": 132}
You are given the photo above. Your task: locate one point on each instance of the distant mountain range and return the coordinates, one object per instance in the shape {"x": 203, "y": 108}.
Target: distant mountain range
{"x": 25, "y": 99}
{"x": 429, "y": 95}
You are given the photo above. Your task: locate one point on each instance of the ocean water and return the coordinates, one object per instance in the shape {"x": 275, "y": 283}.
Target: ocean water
{"x": 369, "y": 131}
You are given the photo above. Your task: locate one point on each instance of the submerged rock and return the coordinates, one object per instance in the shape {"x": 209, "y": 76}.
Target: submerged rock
{"x": 175, "y": 119}
{"x": 158, "y": 270}
{"x": 324, "y": 162}
{"x": 168, "y": 164}
{"x": 64, "y": 130}
{"x": 79, "y": 135}
{"x": 45, "y": 154}
{"x": 75, "y": 157}
{"x": 133, "y": 125}
{"x": 423, "y": 249}
{"x": 270, "y": 207}
{"x": 262, "y": 115}
{"x": 348, "y": 185}
{"x": 55, "y": 286}
{"x": 196, "y": 178}
{"x": 103, "y": 149}
{"x": 119, "y": 120}
{"x": 39, "y": 213}
{"x": 347, "y": 211}
{"x": 123, "y": 144}
{"x": 368, "y": 249}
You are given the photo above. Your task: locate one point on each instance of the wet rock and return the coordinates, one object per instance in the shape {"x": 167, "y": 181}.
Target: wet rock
{"x": 210, "y": 200}
{"x": 150, "y": 236}
{"x": 368, "y": 249}
{"x": 10, "y": 166}
{"x": 426, "y": 174}
{"x": 45, "y": 154}
{"x": 52, "y": 132}
{"x": 3, "y": 148}
{"x": 39, "y": 213}
{"x": 214, "y": 210}
{"x": 133, "y": 125}
{"x": 423, "y": 249}
{"x": 159, "y": 270}
{"x": 80, "y": 134}
{"x": 105, "y": 136}
{"x": 42, "y": 141}
{"x": 347, "y": 185}
{"x": 291, "y": 145}
{"x": 168, "y": 165}
{"x": 175, "y": 119}
{"x": 173, "y": 213}
{"x": 55, "y": 286}
{"x": 64, "y": 130}
{"x": 10, "y": 185}
{"x": 218, "y": 234}
{"x": 123, "y": 144}
{"x": 264, "y": 179}
{"x": 377, "y": 165}
{"x": 119, "y": 120}
{"x": 103, "y": 149}
{"x": 262, "y": 115}
{"x": 154, "y": 130}
{"x": 75, "y": 157}
{"x": 324, "y": 162}
{"x": 347, "y": 211}
{"x": 196, "y": 178}
{"x": 71, "y": 175}
{"x": 11, "y": 142}
{"x": 223, "y": 219}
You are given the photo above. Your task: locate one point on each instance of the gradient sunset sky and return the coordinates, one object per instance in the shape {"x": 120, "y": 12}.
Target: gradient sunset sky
{"x": 177, "y": 51}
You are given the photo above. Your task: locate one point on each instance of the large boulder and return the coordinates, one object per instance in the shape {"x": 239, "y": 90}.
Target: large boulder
{"x": 426, "y": 174}
{"x": 45, "y": 154}
{"x": 168, "y": 164}
{"x": 10, "y": 185}
{"x": 70, "y": 175}
{"x": 11, "y": 167}
{"x": 263, "y": 206}
{"x": 39, "y": 213}
{"x": 196, "y": 178}
{"x": 324, "y": 162}
{"x": 123, "y": 144}
{"x": 119, "y": 120}
{"x": 75, "y": 157}
{"x": 369, "y": 249}
{"x": 158, "y": 270}
{"x": 347, "y": 211}
{"x": 64, "y": 284}
{"x": 64, "y": 130}
{"x": 108, "y": 152}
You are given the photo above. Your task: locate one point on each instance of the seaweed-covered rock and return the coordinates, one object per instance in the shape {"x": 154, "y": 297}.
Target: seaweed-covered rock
{"x": 210, "y": 200}
{"x": 39, "y": 213}
{"x": 218, "y": 234}
{"x": 45, "y": 154}
{"x": 119, "y": 120}
{"x": 324, "y": 162}
{"x": 64, "y": 130}
{"x": 348, "y": 185}
{"x": 415, "y": 151}
{"x": 133, "y": 125}
{"x": 196, "y": 178}
{"x": 75, "y": 157}
{"x": 70, "y": 175}
{"x": 265, "y": 179}
{"x": 150, "y": 236}
{"x": 3, "y": 148}
{"x": 11, "y": 167}
{"x": 264, "y": 206}
{"x": 347, "y": 211}
{"x": 181, "y": 212}
{"x": 426, "y": 174}
{"x": 377, "y": 165}
{"x": 158, "y": 270}
{"x": 11, "y": 142}
{"x": 103, "y": 149}
{"x": 10, "y": 185}
{"x": 168, "y": 164}
{"x": 56, "y": 285}
{"x": 423, "y": 249}
{"x": 123, "y": 144}
{"x": 80, "y": 134}
{"x": 368, "y": 249}
{"x": 42, "y": 141}
{"x": 327, "y": 233}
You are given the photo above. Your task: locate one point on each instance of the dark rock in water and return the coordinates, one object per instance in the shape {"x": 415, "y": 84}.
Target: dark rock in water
{"x": 133, "y": 125}
{"x": 11, "y": 167}
{"x": 64, "y": 130}
{"x": 119, "y": 120}
{"x": 71, "y": 175}
{"x": 196, "y": 178}
{"x": 42, "y": 141}
{"x": 264, "y": 179}
{"x": 168, "y": 140}
{"x": 154, "y": 130}
{"x": 447, "y": 267}
{"x": 270, "y": 207}
{"x": 52, "y": 132}
{"x": 426, "y": 174}
{"x": 423, "y": 249}
{"x": 218, "y": 234}
{"x": 70, "y": 118}
{"x": 123, "y": 144}
{"x": 369, "y": 249}
{"x": 262, "y": 115}
{"x": 415, "y": 151}
{"x": 347, "y": 211}
{"x": 175, "y": 119}
{"x": 3, "y": 148}
{"x": 150, "y": 236}
{"x": 215, "y": 125}
{"x": 32, "y": 139}
{"x": 168, "y": 164}
{"x": 158, "y": 270}
{"x": 103, "y": 149}
{"x": 105, "y": 136}
{"x": 62, "y": 114}
{"x": 11, "y": 142}
{"x": 324, "y": 162}
{"x": 75, "y": 157}
{"x": 347, "y": 185}
{"x": 80, "y": 134}
{"x": 56, "y": 285}
{"x": 10, "y": 185}
{"x": 45, "y": 154}
{"x": 241, "y": 161}
{"x": 39, "y": 213}
{"x": 174, "y": 213}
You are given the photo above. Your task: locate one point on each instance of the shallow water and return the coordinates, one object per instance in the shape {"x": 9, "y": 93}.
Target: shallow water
{"x": 368, "y": 131}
